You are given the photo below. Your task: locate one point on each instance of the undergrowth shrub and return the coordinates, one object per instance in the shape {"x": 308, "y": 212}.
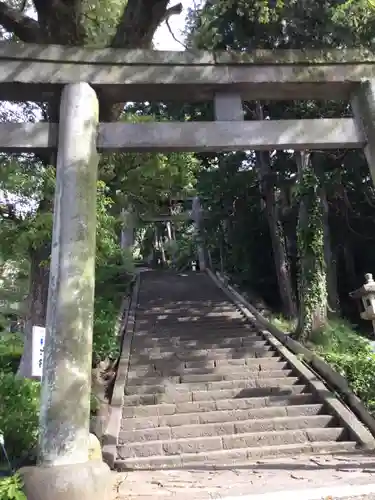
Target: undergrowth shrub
{"x": 113, "y": 279}
{"x": 283, "y": 324}
{"x": 348, "y": 352}
{"x": 11, "y": 348}
{"x": 105, "y": 343}
{"x": 182, "y": 251}
{"x": 19, "y": 413}
{"x": 351, "y": 355}
{"x": 11, "y": 488}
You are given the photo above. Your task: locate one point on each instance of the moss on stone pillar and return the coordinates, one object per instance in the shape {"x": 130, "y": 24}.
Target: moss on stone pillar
{"x": 66, "y": 383}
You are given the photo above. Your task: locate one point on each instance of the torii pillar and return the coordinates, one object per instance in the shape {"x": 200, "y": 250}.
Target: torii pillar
{"x": 64, "y": 471}
{"x": 127, "y": 230}
{"x": 363, "y": 107}
{"x": 197, "y": 218}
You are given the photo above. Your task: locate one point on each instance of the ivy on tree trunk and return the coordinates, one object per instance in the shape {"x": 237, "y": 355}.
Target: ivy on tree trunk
{"x": 312, "y": 280}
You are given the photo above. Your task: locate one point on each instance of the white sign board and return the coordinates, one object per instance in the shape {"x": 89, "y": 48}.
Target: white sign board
{"x": 39, "y": 334}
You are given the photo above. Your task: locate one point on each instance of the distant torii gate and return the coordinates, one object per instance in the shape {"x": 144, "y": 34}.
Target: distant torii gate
{"x": 82, "y": 76}
{"x": 195, "y": 215}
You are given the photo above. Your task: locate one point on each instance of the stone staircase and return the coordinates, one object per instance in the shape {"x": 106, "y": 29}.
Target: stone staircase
{"x": 204, "y": 387}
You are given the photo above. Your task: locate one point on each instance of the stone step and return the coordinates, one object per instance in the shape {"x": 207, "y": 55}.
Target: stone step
{"x": 168, "y": 368}
{"x": 194, "y": 296}
{"x": 235, "y": 375}
{"x": 201, "y": 326}
{"x": 183, "y": 309}
{"x": 192, "y": 354}
{"x": 163, "y": 340}
{"x": 197, "y": 343}
{"x": 149, "y": 338}
{"x": 145, "y": 337}
{"x": 244, "y": 328}
{"x": 234, "y": 456}
{"x": 208, "y": 364}
{"x": 160, "y": 409}
{"x": 212, "y": 417}
{"x": 228, "y": 442}
{"x": 214, "y": 296}
{"x": 195, "y": 396}
{"x": 136, "y": 379}
{"x": 216, "y": 319}
{"x": 188, "y": 333}
{"x": 199, "y": 311}
{"x": 192, "y": 326}
{"x": 246, "y": 360}
{"x": 225, "y": 428}
{"x": 236, "y": 355}
{"x": 254, "y": 383}
{"x": 200, "y": 347}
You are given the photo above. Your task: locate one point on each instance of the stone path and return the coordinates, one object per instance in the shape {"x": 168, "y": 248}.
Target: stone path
{"x": 262, "y": 476}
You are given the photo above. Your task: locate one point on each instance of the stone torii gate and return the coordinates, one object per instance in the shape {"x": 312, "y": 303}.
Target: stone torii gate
{"x": 82, "y": 76}
{"x": 196, "y": 215}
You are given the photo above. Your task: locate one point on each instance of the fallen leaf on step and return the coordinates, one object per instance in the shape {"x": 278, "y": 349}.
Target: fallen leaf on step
{"x": 295, "y": 476}
{"x": 158, "y": 483}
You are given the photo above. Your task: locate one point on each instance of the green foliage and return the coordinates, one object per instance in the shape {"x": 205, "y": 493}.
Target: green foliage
{"x": 24, "y": 183}
{"x": 113, "y": 274}
{"x": 283, "y": 324}
{"x": 19, "y": 412}
{"x": 105, "y": 342}
{"x": 101, "y": 18}
{"x": 348, "y": 352}
{"x": 94, "y": 404}
{"x": 250, "y": 24}
{"x": 11, "y": 488}
{"x": 182, "y": 250}
{"x": 351, "y": 355}
{"x": 338, "y": 336}
{"x": 144, "y": 180}
{"x": 113, "y": 282}
{"x": 11, "y": 348}
{"x": 13, "y": 287}
{"x": 246, "y": 25}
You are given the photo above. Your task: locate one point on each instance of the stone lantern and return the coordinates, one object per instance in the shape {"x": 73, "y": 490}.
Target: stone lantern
{"x": 367, "y": 294}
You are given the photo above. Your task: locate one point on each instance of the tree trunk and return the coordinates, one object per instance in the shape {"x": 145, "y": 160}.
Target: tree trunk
{"x": 312, "y": 284}
{"x": 222, "y": 248}
{"x": 330, "y": 261}
{"x": 36, "y": 303}
{"x": 162, "y": 249}
{"x": 280, "y": 255}
{"x": 276, "y": 229}
{"x": 127, "y": 229}
{"x": 169, "y": 231}
{"x": 349, "y": 265}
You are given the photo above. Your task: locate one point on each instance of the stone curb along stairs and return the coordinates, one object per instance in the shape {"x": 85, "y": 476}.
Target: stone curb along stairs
{"x": 201, "y": 385}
